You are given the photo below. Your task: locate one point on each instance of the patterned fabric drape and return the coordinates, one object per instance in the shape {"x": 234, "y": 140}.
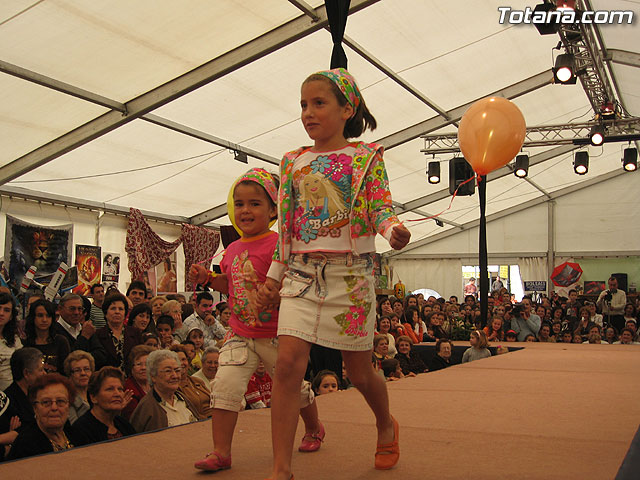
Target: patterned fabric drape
{"x": 146, "y": 249}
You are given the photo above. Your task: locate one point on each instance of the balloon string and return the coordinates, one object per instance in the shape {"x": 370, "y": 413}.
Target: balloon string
{"x": 479, "y": 177}
{"x": 207, "y": 260}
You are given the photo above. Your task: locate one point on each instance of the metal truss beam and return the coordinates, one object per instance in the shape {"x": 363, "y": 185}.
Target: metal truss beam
{"x": 163, "y": 94}
{"x": 509, "y": 211}
{"x": 541, "y": 136}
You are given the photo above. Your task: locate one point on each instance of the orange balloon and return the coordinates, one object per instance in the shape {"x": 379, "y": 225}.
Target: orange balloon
{"x": 491, "y": 134}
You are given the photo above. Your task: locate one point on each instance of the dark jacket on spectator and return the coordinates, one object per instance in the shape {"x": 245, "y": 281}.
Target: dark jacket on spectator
{"x": 438, "y": 363}
{"x": 101, "y": 346}
{"x": 32, "y": 441}
{"x": 89, "y": 429}
{"x": 20, "y": 404}
{"x": 411, "y": 363}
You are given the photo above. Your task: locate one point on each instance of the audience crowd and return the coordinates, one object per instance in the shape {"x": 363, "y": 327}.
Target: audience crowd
{"x": 85, "y": 371}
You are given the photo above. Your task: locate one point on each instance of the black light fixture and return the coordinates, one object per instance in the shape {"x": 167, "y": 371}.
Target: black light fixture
{"x": 596, "y": 136}
{"x": 581, "y": 163}
{"x": 521, "y": 168}
{"x": 545, "y": 28}
{"x": 433, "y": 172}
{"x": 439, "y": 222}
{"x": 459, "y": 172}
{"x": 630, "y": 159}
{"x": 564, "y": 69}
{"x": 240, "y": 156}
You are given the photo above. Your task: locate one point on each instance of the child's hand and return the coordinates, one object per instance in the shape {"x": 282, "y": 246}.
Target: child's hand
{"x": 268, "y": 295}
{"x": 197, "y": 275}
{"x": 400, "y": 236}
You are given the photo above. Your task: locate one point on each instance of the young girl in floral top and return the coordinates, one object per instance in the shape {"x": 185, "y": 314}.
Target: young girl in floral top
{"x": 333, "y": 199}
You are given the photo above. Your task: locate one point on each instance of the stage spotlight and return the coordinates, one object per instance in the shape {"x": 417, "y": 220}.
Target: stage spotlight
{"x": 439, "y": 222}
{"x": 433, "y": 172}
{"x": 240, "y": 156}
{"x": 522, "y": 166}
{"x": 564, "y": 70}
{"x": 597, "y": 135}
{"x": 581, "y": 163}
{"x": 630, "y": 159}
{"x": 566, "y": 5}
{"x": 608, "y": 110}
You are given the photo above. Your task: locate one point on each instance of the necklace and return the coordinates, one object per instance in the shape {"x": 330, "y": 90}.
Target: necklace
{"x": 64, "y": 445}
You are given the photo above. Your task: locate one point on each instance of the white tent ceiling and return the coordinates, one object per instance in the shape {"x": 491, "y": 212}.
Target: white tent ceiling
{"x": 119, "y": 104}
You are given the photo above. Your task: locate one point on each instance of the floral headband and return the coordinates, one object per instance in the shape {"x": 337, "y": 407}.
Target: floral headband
{"x": 346, "y": 83}
{"x": 262, "y": 178}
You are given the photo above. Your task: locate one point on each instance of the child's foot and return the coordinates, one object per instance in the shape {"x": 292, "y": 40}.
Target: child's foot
{"x": 388, "y": 454}
{"x": 214, "y": 462}
{"x": 311, "y": 442}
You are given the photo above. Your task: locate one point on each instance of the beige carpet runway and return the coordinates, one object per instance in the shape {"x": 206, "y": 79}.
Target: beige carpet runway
{"x": 545, "y": 412}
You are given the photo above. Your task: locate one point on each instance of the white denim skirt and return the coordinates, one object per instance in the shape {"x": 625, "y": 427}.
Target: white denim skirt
{"x": 329, "y": 299}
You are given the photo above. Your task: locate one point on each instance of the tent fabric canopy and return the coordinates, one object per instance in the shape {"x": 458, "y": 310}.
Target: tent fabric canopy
{"x": 141, "y": 104}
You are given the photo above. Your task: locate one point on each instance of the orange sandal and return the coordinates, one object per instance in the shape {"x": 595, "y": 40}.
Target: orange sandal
{"x": 387, "y": 455}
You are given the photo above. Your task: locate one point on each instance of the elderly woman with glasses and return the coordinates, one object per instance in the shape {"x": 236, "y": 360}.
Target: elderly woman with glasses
{"x": 163, "y": 406}
{"x": 50, "y": 396}
{"x": 79, "y": 366}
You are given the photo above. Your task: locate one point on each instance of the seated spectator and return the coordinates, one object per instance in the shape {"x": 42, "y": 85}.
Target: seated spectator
{"x": 397, "y": 306}
{"x": 524, "y": 322}
{"x": 437, "y": 323}
{"x": 577, "y": 338}
{"x": 140, "y": 318}
{"x": 384, "y": 307}
{"x": 41, "y": 334}
{"x": 391, "y": 369}
{"x": 631, "y": 324}
{"x": 544, "y": 335}
{"x": 594, "y": 338}
{"x": 163, "y": 406}
{"x": 626, "y": 337}
{"x": 190, "y": 349}
{"x": 530, "y": 337}
{"x": 164, "y": 328}
{"x": 108, "y": 398}
{"x": 511, "y": 336}
{"x": 595, "y": 317}
{"x": 224, "y": 314}
{"x": 9, "y": 339}
{"x": 79, "y": 366}
{"x": 411, "y": 363}
{"x": 173, "y": 308}
{"x": 9, "y": 424}
{"x": 325, "y": 381}
{"x": 567, "y": 337}
{"x": 396, "y": 326}
{"x": 630, "y": 313}
{"x": 557, "y": 315}
{"x": 493, "y": 331}
{"x": 380, "y": 348}
{"x": 442, "y": 358}
{"x": 413, "y": 325}
{"x": 556, "y": 331}
{"x": 478, "y": 349}
{"x": 26, "y": 368}
{"x": 111, "y": 344}
{"x": 584, "y": 325}
{"x": 156, "y": 304}
{"x": 196, "y": 336}
{"x": 384, "y": 329}
{"x": 194, "y": 390}
{"x": 151, "y": 340}
{"x": 212, "y": 329}
{"x": 50, "y": 395}
{"x": 258, "y": 394}
{"x": 610, "y": 334}
{"x": 137, "y": 382}
{"x": 209, "y": 366}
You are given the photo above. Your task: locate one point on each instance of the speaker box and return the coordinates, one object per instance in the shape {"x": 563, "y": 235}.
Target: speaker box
{"x": 622, "y": 281}
{"x": 459, "y": 172}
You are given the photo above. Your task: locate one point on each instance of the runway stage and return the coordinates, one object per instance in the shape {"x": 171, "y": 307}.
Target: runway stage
{"x": 548, "y": 411}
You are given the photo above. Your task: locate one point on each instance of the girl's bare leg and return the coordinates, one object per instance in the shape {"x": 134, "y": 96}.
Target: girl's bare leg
{"x": 223, "y": 425}
{"x": 293, "y": 355}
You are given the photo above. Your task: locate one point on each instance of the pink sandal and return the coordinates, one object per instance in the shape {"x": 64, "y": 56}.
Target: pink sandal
{"x": 311, "y": 442}
{"x": 214, "y": 462}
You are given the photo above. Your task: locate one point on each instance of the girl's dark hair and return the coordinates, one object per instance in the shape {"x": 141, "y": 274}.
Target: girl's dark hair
{"x": 360, "y": 121}
{"x": 9, "y": 330}
{"x": 408, "y": 315}
{"x": 317, "y": 380}
{"x": 30, "y": 326}
{"x": 389, "y": 366}
{"x": 166, "y": 320}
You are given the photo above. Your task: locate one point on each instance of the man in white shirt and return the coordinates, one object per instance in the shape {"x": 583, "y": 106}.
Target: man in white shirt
{"x": 212, "y": 331}
{"x": 71, "y": 311}
{"x": 611, "y": 303}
